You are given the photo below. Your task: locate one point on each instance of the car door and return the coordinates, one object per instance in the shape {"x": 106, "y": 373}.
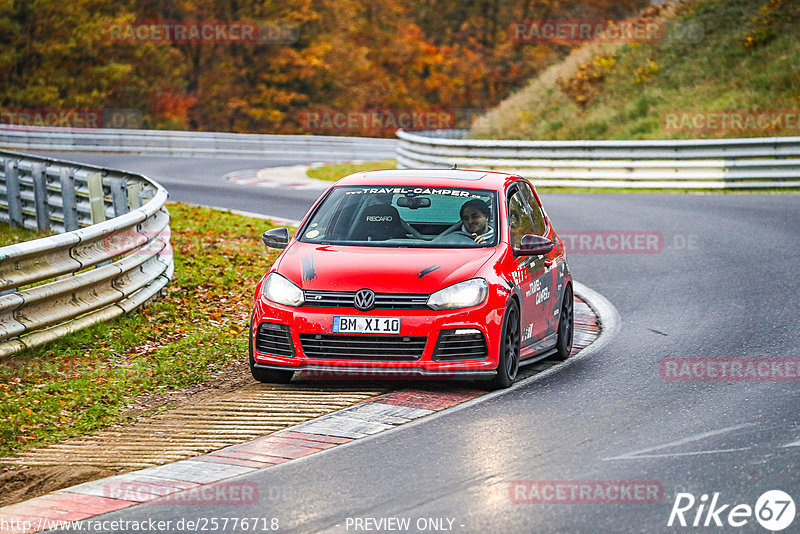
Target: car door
{"x": 529, "y": 271}
{"x": 546, "y": 294}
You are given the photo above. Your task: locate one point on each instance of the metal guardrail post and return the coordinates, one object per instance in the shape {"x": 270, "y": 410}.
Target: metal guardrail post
{"x": 13, "y": 192}
{"x": 68, "y": 201}
{"x": 119, "y": 196}
{"x": 96, "y": 204}
{"x": 47, "y": 286}
{"x": 40, "y": 198}
{"x": 194, "y": 144}
{"x": 135, "y": 195}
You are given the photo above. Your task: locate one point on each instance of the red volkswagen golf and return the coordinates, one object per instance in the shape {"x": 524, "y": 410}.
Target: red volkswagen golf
{"x": 415, "y": 273}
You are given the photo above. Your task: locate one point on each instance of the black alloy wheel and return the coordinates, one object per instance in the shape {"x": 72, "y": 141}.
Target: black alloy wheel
{"x": 566, "y": 327}
{"x": 508, "y": 363}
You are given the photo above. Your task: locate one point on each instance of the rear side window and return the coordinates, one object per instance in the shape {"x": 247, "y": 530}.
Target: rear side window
{"x": 539, "y": 223}
{"x": 519, "y": 223}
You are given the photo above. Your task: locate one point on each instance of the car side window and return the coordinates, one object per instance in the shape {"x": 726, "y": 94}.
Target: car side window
{"x": 519, "y": 223}
{"x": 539, "y": 224}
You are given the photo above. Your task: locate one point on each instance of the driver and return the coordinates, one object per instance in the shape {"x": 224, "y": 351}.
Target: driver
{"x": 474, "y": 225}
{"x": 475, "y": 215}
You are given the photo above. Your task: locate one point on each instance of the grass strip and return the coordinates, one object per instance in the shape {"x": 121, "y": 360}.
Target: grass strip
{"x": 336, "y": 171}
{"x": 192, "y": 333}
{"x": 713, "y": 57}
{"x": 11, "y": 235}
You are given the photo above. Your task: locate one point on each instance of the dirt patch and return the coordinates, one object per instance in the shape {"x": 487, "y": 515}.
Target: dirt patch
{"x": 20, "y": 483}
{"x": 226, "y": 408}
{"x": 235, "y": 375}
{"x": 23, "y": 483}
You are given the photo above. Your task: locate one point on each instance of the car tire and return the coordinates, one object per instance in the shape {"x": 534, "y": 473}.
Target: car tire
{"x": 566, "y": 327}
{"x": 268, "y": 376}
{"x": 508, "y": 362}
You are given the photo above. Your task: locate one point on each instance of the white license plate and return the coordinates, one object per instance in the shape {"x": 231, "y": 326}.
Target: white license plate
{"x": 366, "y": 325}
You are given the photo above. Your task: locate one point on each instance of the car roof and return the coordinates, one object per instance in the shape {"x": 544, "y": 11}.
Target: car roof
{"x": 436, "y": 177}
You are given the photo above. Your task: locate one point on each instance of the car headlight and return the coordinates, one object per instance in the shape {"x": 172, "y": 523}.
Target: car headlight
{"x": 281, "y": 290}
{"x": 460, "y": 295}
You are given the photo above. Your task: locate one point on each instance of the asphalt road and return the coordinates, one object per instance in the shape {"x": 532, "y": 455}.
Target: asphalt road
{"x": 723, "y": 285}
{"x": 199, "y": 181}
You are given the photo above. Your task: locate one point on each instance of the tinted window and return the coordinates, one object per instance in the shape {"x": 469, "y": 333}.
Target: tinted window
{"x": 519, "y": 223}
{"x": 402, "y": 216}
{"x": 539, "y": 225}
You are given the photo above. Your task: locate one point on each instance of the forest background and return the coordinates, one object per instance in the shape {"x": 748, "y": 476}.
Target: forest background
{"x": 432, "y": 58}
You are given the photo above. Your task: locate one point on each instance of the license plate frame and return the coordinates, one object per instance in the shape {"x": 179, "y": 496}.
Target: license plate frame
{"x": 346, "y": 324}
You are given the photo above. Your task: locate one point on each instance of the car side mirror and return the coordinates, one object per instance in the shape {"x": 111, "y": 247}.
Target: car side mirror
{"x": 533, "y": 245}
{"x": 276, "y": 238}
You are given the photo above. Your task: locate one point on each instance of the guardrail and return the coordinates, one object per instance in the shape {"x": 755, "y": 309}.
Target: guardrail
{"x": 111, "y": 253}
{"x": 196, "y": 144}
{"x": 768, "y": 162}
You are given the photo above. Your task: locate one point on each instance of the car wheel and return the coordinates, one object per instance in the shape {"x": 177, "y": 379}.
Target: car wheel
{"x": 566, "y": 327}
{"x": 270, "y": 376}
{"x": 508, "y": 363}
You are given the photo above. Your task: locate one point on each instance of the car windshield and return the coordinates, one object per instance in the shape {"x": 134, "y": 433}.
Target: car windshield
{"x": 404, "y": 216}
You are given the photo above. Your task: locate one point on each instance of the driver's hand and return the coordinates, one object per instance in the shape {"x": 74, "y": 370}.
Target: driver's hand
{"x": 478, "y": 239}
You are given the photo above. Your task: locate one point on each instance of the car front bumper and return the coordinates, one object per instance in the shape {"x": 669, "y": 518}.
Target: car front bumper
{"x": 310, "y": 321}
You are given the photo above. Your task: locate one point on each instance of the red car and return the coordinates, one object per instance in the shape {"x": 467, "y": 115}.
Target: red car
{"x": 415, "y": 273}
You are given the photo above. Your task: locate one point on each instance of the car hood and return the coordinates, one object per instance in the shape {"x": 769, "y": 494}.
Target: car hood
{"x": 384, "y": 270}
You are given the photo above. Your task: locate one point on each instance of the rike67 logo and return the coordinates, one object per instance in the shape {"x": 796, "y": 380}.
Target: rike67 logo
{"x": 774, "y": 510}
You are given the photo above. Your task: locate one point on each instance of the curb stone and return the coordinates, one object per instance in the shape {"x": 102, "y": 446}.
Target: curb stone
{"x": 184, "y": 480}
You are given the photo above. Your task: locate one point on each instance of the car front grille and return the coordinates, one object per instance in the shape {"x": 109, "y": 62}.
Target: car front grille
{"x": 358, "y": 347}
{"x": 460, "y": 344}
{"x": 274, "y": 339}
{"x": 383, "y": 301}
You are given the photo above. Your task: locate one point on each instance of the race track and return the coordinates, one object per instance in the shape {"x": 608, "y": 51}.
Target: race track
{"x": 722, "y": 284}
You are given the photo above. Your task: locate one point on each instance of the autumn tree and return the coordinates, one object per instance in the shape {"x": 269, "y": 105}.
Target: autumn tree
{"x": 58, "y": 55}
{"x": 343, "y": 54}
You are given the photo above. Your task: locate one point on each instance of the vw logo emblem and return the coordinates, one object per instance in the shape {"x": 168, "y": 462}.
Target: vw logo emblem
{"x": 364, "y": 300}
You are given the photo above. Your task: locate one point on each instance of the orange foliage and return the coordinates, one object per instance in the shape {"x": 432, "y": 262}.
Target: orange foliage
{"x": 359, "y": 55}
{"x": 172, "y": 107}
